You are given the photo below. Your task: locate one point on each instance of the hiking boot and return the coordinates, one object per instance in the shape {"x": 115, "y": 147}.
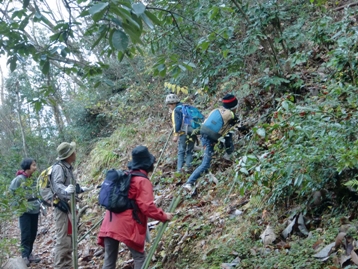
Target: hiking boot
{"x": 227, "y": 157}
{"x": 26, "y": 260}
{"x": 188, "y": 186}
{"x": 34, "y": 258}
{"x": 189, "y": 169}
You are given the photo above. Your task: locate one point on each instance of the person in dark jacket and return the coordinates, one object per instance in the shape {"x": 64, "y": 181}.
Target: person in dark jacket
{"x": 216, "y": 124}
{"x": 29, "y": 220}
{"x": 186, "y": 142}
{"x": 121, "y": 227}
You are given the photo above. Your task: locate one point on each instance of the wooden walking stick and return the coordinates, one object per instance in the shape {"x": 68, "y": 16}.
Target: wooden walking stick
{"x": 74, "y": 227}
{"x": 160, "y": 157}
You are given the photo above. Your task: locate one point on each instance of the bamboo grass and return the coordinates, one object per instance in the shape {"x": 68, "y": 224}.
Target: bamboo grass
{"x": 161, "y": 230}
{"x": 237, "y": 174}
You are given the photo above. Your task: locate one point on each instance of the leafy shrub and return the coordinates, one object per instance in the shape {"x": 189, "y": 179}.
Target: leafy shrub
{"x": 11, "y": 205}
{"x": 306, "y": 146}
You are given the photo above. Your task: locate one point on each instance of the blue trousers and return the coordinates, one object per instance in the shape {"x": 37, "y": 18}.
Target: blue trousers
{"x": 185, "y": 151}
{"x": 208, "y": 145}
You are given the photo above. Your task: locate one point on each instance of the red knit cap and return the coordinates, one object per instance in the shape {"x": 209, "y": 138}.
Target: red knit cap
{"x": 230, "y": 102}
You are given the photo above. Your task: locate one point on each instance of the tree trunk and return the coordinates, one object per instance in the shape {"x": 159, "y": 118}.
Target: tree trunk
{"x": 2, "y": 98}
{"x": 58, "y": 119}
{"x": 20, "y": 122}
{"x": 39, "y": 126}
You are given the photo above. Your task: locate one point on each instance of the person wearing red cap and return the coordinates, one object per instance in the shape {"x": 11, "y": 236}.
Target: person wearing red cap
{"x": 216, "y": 125}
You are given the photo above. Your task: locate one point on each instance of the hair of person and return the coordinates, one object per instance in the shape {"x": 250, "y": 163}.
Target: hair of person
{"x": 26, "y": 163}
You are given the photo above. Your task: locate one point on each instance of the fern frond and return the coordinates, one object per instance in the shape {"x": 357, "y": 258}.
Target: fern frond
{"x": 352, "y": 183}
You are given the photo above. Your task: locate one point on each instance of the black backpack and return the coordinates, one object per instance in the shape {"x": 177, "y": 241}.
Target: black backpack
{"x": 114, "y": 192}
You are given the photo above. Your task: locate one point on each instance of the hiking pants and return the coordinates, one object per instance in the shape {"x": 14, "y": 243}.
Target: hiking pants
{"x": 111, "y": 253}
{"x": 63, "y": 246}
{"x": 185, "y": 151}
{"x": 28, "y": 227}
{"x": 208, "y": 145}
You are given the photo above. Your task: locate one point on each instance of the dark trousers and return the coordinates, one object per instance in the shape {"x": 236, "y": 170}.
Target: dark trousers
{"x": 111, "y": 247}
{"x": 229, "y": 145}
{"x": 28, "y": 227}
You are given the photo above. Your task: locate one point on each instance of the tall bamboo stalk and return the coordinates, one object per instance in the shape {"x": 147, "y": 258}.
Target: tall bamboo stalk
{"x": 161, "y": 230}
{"x": 74, "y": 228}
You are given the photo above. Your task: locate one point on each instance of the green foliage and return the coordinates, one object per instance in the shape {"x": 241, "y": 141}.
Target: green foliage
{"x": 109, "y": 152}
{"x": 343, "y": 57}
{"x": 352, "y": 183}
{"x": 11, "y": 205}
{"x": 273, "y": 81}
{"x": 102, "y": 157}
{"x": 288, "y": 47}
{"x": 308, "y": 146}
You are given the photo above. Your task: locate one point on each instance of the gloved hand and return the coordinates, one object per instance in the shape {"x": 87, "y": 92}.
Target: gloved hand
{"x": 87, "y": 188}
{"x": 70, "y": 189}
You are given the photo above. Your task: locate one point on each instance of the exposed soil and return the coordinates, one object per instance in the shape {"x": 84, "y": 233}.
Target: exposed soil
{"x": 90, "y": 255}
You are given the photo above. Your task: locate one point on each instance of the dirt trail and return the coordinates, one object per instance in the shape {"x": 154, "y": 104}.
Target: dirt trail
{"x": 90, "y": 254}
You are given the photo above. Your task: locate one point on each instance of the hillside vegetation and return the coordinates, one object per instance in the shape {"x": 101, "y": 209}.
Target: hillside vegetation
{"x": 291, "y": 189}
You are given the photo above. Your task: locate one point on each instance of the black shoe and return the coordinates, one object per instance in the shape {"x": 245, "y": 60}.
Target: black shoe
{"x": 26, "y": 260}
{"x": 34, "y": 258}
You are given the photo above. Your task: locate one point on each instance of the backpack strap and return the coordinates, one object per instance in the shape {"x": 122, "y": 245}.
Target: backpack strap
{"x": 138, "y": 174}
{"x": 50, "y": 179}
{"x": 134, "y": 204}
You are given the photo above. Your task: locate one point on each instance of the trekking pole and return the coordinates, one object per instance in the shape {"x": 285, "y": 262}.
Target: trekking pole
{"x": 161, "y": 230}
{"x": 160, "y": 157}
{"x": 74, "y": 228}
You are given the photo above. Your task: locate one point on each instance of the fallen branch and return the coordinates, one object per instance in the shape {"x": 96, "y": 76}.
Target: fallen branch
{"x": 90, "y": 230}
{"x": 347, "y": 5}
{"x": 80, "y": 213}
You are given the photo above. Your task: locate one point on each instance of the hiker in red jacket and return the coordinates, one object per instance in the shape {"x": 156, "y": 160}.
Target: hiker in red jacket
{"x": 121, "y": 227}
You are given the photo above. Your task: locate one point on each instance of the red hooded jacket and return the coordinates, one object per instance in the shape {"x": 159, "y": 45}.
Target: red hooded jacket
{"x": 123, "y": 227}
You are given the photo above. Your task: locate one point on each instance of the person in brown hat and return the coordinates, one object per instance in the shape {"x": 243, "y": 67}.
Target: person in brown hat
{"x": 61, "y": 177}
{"x": 122, "y": 227}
